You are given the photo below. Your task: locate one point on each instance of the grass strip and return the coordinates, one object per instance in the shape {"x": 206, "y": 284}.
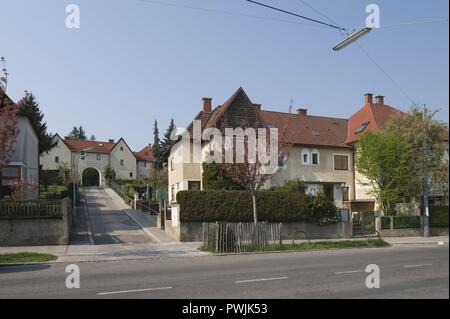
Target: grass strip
{"x": 18, "y": 258}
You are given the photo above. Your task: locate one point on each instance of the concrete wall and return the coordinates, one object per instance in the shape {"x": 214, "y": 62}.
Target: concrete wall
{"x": 36, "y": 231}
{"x": 186, "y": 232}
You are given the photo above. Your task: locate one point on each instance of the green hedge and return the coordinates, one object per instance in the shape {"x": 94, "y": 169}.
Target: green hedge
{"x": 439, "y": 216}
{"x": 236, "y": 206}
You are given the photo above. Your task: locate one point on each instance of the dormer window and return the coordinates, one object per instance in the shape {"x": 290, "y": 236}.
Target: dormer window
{"x": 361, "y": 128}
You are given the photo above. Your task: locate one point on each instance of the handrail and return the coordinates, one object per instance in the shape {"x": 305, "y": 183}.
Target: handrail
{"x": 115, "y": 187}
{"x": 300, "y": 231}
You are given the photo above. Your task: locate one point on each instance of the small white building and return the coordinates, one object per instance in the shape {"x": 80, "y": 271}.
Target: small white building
{"x": 90, "y": 158}
{"x": 24, "y": 164}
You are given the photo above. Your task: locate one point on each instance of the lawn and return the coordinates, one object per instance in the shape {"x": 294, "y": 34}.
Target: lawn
{"x": 320, "y": 245}
{"x": 19, "y": 258}
{"x": 53, "y": 192}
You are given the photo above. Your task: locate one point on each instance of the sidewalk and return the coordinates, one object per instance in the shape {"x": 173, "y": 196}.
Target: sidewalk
{"x": 443, "y": 240}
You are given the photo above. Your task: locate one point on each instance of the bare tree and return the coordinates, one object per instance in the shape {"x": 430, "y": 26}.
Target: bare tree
{"x": 252, "y": 174}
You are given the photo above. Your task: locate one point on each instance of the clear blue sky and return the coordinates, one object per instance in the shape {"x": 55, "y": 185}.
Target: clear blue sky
{"x": 132, "y": 62}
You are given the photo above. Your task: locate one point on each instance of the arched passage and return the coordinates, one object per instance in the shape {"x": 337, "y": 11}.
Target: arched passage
{"x": 91, "y": 177}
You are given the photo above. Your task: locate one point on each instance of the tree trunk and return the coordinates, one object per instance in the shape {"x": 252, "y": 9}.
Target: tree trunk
{"x": 255, "y": 214}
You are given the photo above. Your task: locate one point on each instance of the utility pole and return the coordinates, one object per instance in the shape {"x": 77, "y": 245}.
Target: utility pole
{"x": 426, "y": 211}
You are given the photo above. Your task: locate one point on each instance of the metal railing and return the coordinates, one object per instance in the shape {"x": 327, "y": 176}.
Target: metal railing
{"x": 134, "y": 202}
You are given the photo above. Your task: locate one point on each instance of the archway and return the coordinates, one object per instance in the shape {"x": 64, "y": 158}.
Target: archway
{"x": 91, "y": 177}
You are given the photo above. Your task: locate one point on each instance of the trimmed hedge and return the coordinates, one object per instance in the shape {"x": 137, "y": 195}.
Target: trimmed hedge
{"x": 236, "y": 206}
{"x": 439, "y": 216}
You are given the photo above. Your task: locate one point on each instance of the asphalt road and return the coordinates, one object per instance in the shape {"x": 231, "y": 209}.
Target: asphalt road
{"x": 405, "y": 272}
{"x": 110, "y": 225}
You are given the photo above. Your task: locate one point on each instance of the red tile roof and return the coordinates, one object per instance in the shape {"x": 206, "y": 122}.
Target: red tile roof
{"x": 146, "y": 154}
{"x": 307, "y": 129}
{"x": 376, "y": 115}
{"x": 89, "y": 146}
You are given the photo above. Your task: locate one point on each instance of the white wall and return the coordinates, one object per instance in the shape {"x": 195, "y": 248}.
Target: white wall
{"x": 62, "y": 151}
{"x": 122, "y": 152}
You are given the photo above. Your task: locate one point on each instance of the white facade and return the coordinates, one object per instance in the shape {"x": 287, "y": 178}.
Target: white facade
{"x": 24, "y": 164}
{"x": 120, "y": 158}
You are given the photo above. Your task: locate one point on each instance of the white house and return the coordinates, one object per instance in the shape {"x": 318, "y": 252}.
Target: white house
{"x": 90, "y": 158}
{"x": 24, "y": 164}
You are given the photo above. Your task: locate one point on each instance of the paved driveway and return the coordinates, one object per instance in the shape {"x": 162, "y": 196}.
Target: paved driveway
{"x": 110, "y": 225}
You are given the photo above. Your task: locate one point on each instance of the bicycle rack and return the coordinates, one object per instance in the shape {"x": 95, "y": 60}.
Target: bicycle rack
{"x": 300, "y": 231}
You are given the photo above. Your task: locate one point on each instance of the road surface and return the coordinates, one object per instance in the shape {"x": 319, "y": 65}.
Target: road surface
{"x": 110, "y": 225}
{"x": 405, "y": 272}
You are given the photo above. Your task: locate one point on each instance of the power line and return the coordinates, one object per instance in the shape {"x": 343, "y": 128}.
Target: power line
{"x": 367, "y": 53}
{"x": 385, "y": 72}
{"x": 323, "y": 15}
{"x": 295, "y": 14}
{"x": 168, "y": 4}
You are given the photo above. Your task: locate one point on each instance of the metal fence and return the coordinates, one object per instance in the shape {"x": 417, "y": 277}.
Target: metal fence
{"x": 143, "y": 206}
{"x": 401, "y": 222}
{"x": 241, "y": 237}
{"x": 32, "y": 209}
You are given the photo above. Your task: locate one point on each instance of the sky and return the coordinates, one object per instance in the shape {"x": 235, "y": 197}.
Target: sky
{"x": 134, "y": 61}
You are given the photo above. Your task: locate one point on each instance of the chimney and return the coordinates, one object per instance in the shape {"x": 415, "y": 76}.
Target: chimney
{"x": 368, "y": 98}
{"x": 206, "y": 104}
{"x": 111, "y": 140}
{"x": 379, "y": 99}
{"x": 302, "y": 111}
{"x": 258, "y": 106}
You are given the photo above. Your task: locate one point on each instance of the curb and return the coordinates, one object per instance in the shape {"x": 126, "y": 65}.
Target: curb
{"x": 291, "y": 251}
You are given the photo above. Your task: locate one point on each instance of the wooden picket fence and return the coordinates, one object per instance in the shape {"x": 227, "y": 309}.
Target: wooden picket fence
{"x": 240, "y": 237}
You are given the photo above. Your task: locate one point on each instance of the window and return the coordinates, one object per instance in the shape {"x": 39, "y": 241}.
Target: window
{"x": 172, "y": 193}
{"x": 305, "y": 157}
{"x": 121, "y": 162}
{"x": 131, "y": 175}
{"x": 121, "y": 148}
{"x": 315, "y": 159}
{"x": 56, "y": 159}
{"x": 145, "y": 164}
{"x": 171, "y": 164}
{"x": 194, "y": 185}
{"x": 361, "y": 128}
{"x": 341, "y": 162}
{"x": 83, "y": 155}
{"x": 99, "y": 157}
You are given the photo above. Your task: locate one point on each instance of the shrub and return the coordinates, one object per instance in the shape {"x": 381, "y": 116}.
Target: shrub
{"x": 215, "y": 178}
{"x": 439, "y": 216}
{"x": 295, "y": 185}
{"x": 236, "y": 206}
{"x": 321, "y": 211}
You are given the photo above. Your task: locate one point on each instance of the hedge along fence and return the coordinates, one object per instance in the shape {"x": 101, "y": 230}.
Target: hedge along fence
{"x": 439, "y": 216}
{"x": 236, "y": 206}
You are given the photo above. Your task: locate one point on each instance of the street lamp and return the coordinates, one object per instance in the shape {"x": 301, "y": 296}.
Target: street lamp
{"x": 352, "y": 38}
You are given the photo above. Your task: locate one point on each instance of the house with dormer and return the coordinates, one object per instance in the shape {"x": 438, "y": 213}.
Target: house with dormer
{"x": 321, "y": 149}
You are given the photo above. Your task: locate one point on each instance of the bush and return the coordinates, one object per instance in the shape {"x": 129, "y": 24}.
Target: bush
{"x": 215, "y": 178}
{"x": 439, "y": 216}
{"x": 295, "y": 185}
{"x": 236, "y": 206}
{"x": 321, "y": 211}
